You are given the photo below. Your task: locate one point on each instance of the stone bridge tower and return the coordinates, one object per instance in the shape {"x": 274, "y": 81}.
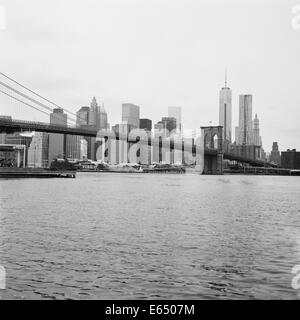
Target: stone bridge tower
{"x": 213, "y": 146}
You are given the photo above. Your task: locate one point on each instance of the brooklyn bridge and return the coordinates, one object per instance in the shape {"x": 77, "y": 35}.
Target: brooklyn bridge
{"x": 216, "y": 150}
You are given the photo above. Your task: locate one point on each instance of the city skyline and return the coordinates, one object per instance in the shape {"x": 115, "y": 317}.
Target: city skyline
{"x": 149, "y": 153}
{"x": 156, "y": 65}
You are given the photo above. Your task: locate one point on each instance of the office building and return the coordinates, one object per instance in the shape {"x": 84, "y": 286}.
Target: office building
{"x": 82, "y": 116}
{"x": 245, "y": 130}
{"x": 256, "y": 132}
{"x": 120, "y": 154}
{"x": 175, "y": 112}
{"x": 275, "y": 154}
{"x": 290, "y": 159}
{"x": 73, "y": 147}
{"x": 170, "y": 124}
{"x": 145, "y": 156}
{"x": 56, "y": 141}
{"x": 91, "y": 118}
{"x": 145, "y": 124}
{"x": 225, "y": 112}
{"x": 131, "y": 114}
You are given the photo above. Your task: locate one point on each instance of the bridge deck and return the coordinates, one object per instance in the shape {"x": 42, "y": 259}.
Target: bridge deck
{"x": 10, "y": 125}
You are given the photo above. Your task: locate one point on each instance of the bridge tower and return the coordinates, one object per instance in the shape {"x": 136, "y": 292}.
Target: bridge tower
{"x": 213, "y": 145}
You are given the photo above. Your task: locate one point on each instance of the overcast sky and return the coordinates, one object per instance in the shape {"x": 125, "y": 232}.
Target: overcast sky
{"x": 158, "y": 54}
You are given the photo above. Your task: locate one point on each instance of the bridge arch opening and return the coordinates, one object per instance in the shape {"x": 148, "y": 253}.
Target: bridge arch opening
{"x": 215, "y": 141}
{"x": 207, "y": 141}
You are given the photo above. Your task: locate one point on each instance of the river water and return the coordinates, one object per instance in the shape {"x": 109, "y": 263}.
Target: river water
{"x": 147, "y": 236}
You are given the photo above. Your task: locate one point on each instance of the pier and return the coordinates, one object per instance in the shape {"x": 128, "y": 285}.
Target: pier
{"x": 34, "y": 173}
{"x": 263, "y": 171}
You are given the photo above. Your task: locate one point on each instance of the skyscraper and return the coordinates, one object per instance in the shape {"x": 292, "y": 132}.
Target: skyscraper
{"x": 56, "y": 141}
{"x": 93, "y": 118}
{"x": 73, "y": 147}
{"x": 82, "y": 116}
{"x": 131, "y": 114}
{"x": 175, "y": 112}
{"x": 256, "y": 133}
{"x": 275, "y": 154}
{"x": 225, "y": 111}
{"x": 290, "y": 159}
{"x": 245, "y": 129}
{"x": 146, "y": 124}
{"x": 121, "y": 146}
{"x": 145, "y": 149}
{"x": 170, "y": 124}
{"x": 103, "y": 118}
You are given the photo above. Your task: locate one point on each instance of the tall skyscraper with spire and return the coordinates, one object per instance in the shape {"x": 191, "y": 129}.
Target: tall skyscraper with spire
{"x": 225, "y": 111}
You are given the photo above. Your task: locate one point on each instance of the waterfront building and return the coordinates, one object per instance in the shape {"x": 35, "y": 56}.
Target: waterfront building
{"x": 19, "y": 138}
{"x": 275, "y": 154}
{"x": 12, "y": 155}
{"x": 38, "y": 151}
{"x": 290, "y": 159}
{"x": 225, "y": 112}
{"x": 56, "y": 141}
{"x": 131, "y": 114}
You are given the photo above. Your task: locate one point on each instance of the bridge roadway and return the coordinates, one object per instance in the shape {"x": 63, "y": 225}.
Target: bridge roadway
{"x": 10, "y": 126}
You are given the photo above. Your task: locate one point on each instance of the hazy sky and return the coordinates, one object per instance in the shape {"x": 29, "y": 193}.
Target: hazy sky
{"x": 158, "y": 54}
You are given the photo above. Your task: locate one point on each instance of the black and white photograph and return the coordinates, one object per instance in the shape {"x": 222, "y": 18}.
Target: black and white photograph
{"x": 149, "y": 151}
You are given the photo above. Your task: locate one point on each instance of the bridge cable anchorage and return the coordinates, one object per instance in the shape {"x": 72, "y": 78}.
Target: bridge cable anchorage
{"x": 38, "y": 95}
